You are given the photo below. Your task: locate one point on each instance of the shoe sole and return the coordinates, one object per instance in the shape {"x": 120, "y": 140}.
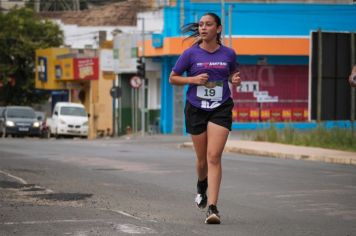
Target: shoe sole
{"x": 212, "y": 219}
{"x": 201, "y": 207}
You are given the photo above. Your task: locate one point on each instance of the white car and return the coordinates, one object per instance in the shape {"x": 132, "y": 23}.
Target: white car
{"x": 68, "y": 119}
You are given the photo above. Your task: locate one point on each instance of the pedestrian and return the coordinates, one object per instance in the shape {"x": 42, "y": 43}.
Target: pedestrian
{"x": 209, "y": 67}
{"x": 352, "y": 77}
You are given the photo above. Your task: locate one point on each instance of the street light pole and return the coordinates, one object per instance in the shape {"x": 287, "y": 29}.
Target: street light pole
{"x": 320, "y": 76}
{"x": 352, "y": 116}
{"x": 230, "y": 26}
{"x": 37, "y": 6}
{"x": 222, "y": 20}
{"x": 143, "y": 80}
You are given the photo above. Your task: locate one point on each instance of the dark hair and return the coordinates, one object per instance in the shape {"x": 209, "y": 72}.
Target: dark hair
{"x": 193, "y": 28}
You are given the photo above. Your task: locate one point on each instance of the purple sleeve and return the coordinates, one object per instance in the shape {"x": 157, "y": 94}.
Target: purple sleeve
{"x": 182, "y": 64}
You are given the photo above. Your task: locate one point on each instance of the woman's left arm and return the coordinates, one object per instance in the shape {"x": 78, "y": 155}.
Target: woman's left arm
{"x": 235, "y": 78}
{"x": 352, "y": 76}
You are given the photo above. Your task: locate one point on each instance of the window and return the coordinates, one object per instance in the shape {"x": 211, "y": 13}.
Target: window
{"x": 73, "y": 111}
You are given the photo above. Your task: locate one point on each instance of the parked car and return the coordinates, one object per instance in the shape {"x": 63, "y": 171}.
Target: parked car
{"x": 19, "y": 121}
{"x": 68, "y": 119}
{"x": 1, "y": 116}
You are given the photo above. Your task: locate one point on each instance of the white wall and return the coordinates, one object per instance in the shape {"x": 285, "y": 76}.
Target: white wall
{"x": 153, "y": 21}
{"x": 154, "y": 90}
{"x": 79, "y": 36}
{"x": 6, "y": 4}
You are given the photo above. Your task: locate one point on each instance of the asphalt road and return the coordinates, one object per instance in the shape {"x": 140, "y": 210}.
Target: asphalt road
{"x": 146, "y": 185}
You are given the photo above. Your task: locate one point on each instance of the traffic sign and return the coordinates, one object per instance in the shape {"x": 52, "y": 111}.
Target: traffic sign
{"x": 135, "y": 82}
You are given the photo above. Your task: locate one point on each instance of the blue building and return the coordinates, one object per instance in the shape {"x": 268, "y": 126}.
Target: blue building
{"x": 275, "y": 44}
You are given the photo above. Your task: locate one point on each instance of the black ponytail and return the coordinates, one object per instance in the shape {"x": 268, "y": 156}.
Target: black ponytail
{"x": 193, "y": 29}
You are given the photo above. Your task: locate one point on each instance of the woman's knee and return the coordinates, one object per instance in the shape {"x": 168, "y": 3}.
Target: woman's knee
{"x": 214, "y": 158}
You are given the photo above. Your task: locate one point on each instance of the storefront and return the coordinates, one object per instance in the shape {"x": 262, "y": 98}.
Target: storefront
{"x": 273, "y": 44}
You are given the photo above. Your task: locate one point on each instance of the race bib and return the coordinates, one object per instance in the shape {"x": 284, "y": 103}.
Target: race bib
{"x": 210, "y": 91}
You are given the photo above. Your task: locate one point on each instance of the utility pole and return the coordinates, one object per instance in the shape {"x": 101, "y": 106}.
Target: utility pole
{"x": 37, "y": 5}
{"x": 76, "y": 5}
{"x": 352, "y": 115}
{"x": 320, "y": 76}
{"x": 222, "y": 20}
{"x": 230, "y": 26}
{"x": 143, "y": 79}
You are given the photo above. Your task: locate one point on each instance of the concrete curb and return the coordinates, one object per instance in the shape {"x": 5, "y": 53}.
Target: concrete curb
{"x": 324, "y": 157}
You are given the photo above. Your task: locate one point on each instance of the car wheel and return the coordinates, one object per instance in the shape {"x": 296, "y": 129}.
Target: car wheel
{"x": 47, "y": 134}
{"x": 56, "y": 135}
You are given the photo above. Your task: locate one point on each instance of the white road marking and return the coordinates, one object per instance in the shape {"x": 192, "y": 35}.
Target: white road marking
{"x": 51, "y": 222}
{"x": 126, "y": 228}
{"x": 22, "y": 181}
{"x": 81, "y": 233}
{"x": 134, "y": 229}
{"x": 121, "y": 213}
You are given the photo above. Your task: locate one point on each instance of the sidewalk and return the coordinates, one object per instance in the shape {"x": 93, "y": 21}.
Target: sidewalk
{"x": 287, "y": 151}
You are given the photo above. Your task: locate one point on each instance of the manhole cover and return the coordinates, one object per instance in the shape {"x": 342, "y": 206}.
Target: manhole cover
{"x": 11, "y": 184}
{"x": 63, "y": 196}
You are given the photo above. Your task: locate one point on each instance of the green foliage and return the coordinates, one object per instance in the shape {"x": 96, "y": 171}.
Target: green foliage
{"x": 272, "y": 134}
{"x": 335, "y": 138}
{"x": 21, "y": 33}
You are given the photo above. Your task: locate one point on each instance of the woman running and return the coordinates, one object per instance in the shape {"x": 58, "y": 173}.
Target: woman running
{"x": 208, "y": 110}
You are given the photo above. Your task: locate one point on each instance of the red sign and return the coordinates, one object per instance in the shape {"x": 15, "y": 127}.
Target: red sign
{"x": 86, "y": 68}
{"x": 280, "y": 88}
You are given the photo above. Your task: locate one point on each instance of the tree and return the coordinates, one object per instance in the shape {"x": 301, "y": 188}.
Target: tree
{"x": 21, "y": 33}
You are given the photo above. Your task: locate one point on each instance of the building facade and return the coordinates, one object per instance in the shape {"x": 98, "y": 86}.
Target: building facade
{"x": 6, "y": 5}
{"x": 273, "y": 42}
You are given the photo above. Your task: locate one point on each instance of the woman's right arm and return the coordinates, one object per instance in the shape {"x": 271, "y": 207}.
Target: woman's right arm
{"x": 177, "y": 79}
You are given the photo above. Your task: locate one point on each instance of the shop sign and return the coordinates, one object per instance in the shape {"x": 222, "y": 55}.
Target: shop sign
{"x": 125, "y": 53}
{"x": 42, "y": 68}
{"x": 107, "y": 59}
{"x": 86, "y": 69}
{"x": 64, "y": 69}
{"x": 157, "y": 40}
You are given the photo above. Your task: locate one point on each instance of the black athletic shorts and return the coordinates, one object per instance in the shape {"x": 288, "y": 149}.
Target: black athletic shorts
{"x": 196, "y": 119}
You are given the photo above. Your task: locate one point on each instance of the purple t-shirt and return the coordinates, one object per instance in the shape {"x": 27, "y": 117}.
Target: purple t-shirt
{"x": 218, "y": 65}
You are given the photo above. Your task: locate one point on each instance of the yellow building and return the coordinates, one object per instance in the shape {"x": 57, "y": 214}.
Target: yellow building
{"x": 80, "y": 74}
